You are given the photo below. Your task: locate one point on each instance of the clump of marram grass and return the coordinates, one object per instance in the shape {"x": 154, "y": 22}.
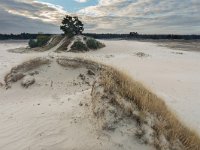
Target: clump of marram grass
{"x": 16, "y": 73}
{"x": 79, "y": 62}
{"x": 166, "y": 124}
{"x": 94, "y": 44}
{"x": 31, "y": 64}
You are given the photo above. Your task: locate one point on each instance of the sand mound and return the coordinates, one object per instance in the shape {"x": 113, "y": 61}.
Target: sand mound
{"x": 69, "y": 100}
{"x": 79, "y": 43}
{"x": 116, "y": 97}
{"x": 18, "y": 72}
{"x": 59, "y": 43}
{"x": 55, "y": 112}
{"x": 66, "y": 45}
{"x": 114, "y": 112}
{"x": 53, "y": 44}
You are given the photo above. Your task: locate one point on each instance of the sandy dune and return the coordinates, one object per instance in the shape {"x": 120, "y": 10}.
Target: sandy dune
{"x": 171, "y": 74}
{"x": 55, "y": 113}
{"x": 49, "y": 116}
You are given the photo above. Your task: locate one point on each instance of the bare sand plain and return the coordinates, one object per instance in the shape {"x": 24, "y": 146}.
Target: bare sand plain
{"x": 41, "y": 116}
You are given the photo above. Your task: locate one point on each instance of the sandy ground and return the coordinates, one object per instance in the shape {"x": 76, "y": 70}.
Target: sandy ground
{"x": 186, "y": 45}
{"x": 55, "y": 114}
{"x": 8, "y": 60}
{"x": 171, "y": 74}
{"x": 53, "y": 118}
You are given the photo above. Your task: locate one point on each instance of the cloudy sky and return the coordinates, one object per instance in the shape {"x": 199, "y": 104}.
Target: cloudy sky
{"x": 113, "y": 16}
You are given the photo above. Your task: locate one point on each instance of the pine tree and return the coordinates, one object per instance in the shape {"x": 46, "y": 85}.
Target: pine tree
{"x": 71, "y": 26}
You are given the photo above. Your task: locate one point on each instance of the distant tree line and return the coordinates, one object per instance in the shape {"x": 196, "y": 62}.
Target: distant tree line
{"x": 135, "y": 35}
{"x": 131, "y": 35}
{"x": 22, "y": 36}
{"x": 106, "y": 35}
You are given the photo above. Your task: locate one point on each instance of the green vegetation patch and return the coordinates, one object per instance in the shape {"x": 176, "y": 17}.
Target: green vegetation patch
{"x": 79, "y": 46}
{"x": 94, "y": 44}
{"x": 40, "y": 41}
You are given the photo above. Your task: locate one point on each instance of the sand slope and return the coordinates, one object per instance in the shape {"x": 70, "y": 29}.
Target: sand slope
{"x": 55, "y": 113}
{"x": 171, "y": 74}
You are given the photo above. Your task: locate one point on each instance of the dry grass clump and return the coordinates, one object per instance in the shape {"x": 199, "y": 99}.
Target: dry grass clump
{"x": 79, "y": 62}
{"x": 166, "y": 123}
{"x": 141, "y": 54}
{"x": 31, "y": 64}
{"x": 16, "y": 73}
{"x": 179, "y": 53}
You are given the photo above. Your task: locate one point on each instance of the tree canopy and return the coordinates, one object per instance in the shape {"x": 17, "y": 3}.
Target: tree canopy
{"x": 71, "y": 26}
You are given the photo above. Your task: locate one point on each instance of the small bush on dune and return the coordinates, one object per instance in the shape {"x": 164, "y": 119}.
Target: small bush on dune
{"x": 94, "y": 44}
{"x": 32, "y": 43}
{"x": 40, "y": 41}
{"x": 79, "y": 46}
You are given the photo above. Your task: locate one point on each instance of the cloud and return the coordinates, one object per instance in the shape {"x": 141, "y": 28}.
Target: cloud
{"x": 145, "y": 16}
{"x": 29, "y": 16}
{"x": 115, "y": 16}
{"x": 11, "y": 24}
{"x": 81, "y": 1}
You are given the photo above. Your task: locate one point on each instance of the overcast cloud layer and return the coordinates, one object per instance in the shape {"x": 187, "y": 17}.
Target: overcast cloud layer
{"x": 113, "y": 16}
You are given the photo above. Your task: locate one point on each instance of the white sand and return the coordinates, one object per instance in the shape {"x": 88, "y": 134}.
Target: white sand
{"x": 37, "y": 118}
{"x": 174, "y": 77}
{"x": 8, "y": 60}
{"x": 55, "y": 114}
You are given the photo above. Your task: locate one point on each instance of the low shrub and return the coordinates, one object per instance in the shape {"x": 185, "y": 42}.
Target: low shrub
{"x": 94, "y": 44}
{"x": 32, "y": 43}
{"x": 40, "y": 41}
{"x": 79, "y": 46}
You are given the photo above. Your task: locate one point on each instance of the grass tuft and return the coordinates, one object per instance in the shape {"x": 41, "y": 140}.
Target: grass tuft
{"x": 17, "y": 72}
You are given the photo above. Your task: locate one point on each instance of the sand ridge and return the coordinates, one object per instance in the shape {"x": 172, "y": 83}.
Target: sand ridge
{"x": 55, "y": 111}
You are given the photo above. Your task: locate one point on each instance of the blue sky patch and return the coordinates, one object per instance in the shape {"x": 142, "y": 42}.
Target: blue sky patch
{"x": 71, "y": 5}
